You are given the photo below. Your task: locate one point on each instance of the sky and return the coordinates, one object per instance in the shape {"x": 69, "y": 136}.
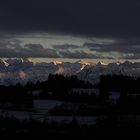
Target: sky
{"x": 75, "y": 29}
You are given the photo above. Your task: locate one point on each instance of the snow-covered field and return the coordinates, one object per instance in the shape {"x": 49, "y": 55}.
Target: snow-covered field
{"x": 41, "y": 108}
{"x": 45, "y": 105}
{"x": 24, "y": 115}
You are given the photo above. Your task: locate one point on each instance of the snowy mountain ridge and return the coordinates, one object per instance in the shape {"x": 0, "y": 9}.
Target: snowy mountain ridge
{"x": 13, "y": 71}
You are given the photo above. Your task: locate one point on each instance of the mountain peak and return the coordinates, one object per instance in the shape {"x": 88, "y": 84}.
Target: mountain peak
{"x": 4, "y": 63}
{"x": 101, "y": 63}
{"x": 56, "y": 62}
{"x": 84, "y": 62}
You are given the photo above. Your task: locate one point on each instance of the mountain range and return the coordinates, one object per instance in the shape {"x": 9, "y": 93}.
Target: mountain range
{"x": 13, "y": 71}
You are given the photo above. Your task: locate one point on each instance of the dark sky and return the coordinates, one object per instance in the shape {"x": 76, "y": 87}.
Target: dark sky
{"x": 95, "y": 18}
{"x": 80, "y": 28}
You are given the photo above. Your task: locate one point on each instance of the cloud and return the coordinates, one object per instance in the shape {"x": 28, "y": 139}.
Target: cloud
{"x": 66, "y": 46}
{"x": 76, "y": 54}
{"x": 37, "y": 50}
{"x": 15, "y": 49}
{"x": 122, "y": 47}
{"x": 84, "y": 17}
{"x": 103, "y": 48}
{"x": 132, "y": 56}
{"x": 96, "y": 48}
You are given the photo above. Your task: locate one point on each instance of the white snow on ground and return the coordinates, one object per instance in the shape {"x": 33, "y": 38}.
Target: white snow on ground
{"x": 45, "y": 105}
{"x": 41, "y": 113}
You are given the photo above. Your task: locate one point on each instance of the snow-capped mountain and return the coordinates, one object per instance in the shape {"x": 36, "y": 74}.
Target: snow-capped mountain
{"x": 13, "y": 71}
{"x": 93, "y": 73}
{"x": 21, "y": 70}
{"x": 3, "y": 63}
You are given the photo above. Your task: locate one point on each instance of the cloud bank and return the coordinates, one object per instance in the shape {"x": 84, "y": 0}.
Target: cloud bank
{"x": 94, "y": 48}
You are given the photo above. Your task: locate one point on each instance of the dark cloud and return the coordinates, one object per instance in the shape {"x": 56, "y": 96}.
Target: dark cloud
{"x": 120, "y": 46}
{"x": 83, "y": 17}
{"x": 97, "y": 48}
{"x": 12, "y": 49}
{"x": 132, "y": 56}
{"x": 124, "y": 49}
{"x": 15, "y": 49}
{"x": 125, "y": 46}
{"x": 118, "y": 20}
{"x": 37, "y": 50}
{"x": 76, "y": 54}
{"x": 66, "y": 46}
